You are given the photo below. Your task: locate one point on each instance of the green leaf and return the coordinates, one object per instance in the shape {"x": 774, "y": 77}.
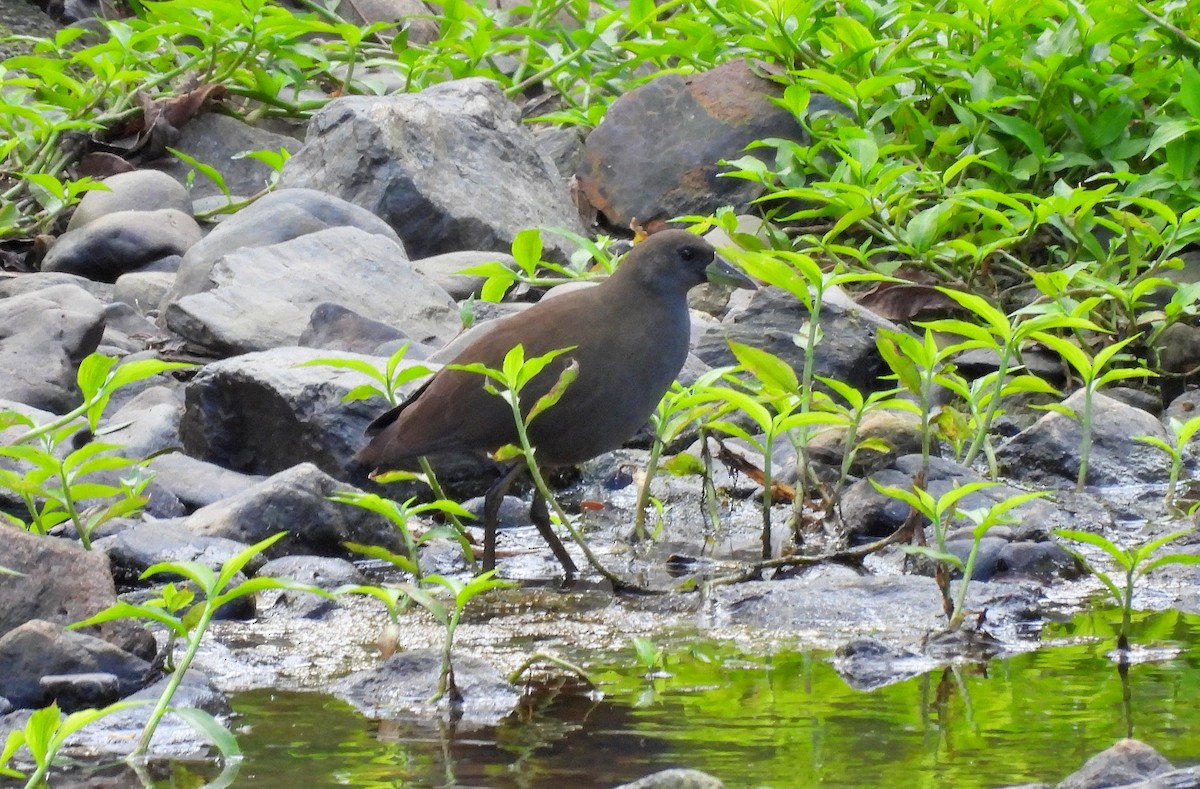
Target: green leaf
{"x": 211, "y": 728}
{"x": 922, "y": 229}
{"x": 647, "y": 651}
{"x": 207, "y": 170}
{"x": 1024, "y": 131}
{"x": 565, "y": 378}
{"x": 527, "y": 249}
{"x": 358, "y": 365}
{"x": 1166, "y": 132}
{"x": 944, "y": 557}
{"x": 93, "y": 372}
{"x": 428, "y": 602}
{"x": 1171, "y": 558}
{"x": 1188, "y": 94}
{"x": 776, "y": 375}
{"x": 683, "y": 465}
{"x": 383, "y": 554}
{"x": 123, "y": 610}
{"x": 363, "y": 392}
{"x": 200, "y": 574}
{"x": 233, "y": 565}
{"x": 39, "y": 732}
{"x": 1120, "y": 556}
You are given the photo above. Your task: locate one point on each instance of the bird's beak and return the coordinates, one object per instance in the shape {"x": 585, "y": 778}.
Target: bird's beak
{"x": 722, "y": 272}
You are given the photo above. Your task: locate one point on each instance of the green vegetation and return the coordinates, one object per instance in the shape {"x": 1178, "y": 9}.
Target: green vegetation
{"x": 1034, "y": 163}
{"x": 941, "y": 513}
{"x": 188, "y": 621}
{"x": 1135, "y": 563}
{"x": 58, "y": 486}
{"x": 44, "y": 735}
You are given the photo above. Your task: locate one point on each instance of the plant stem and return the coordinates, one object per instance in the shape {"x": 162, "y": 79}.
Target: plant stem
{"x": 985, "y": 424}
{"x": 1126, "y": 609}
{"x": 1085, "y": 441}
{"x": 515, "y": 676}
{"x": 164, "y": 701}
{"x": 540, "y": 482}
{"x": 643, "y": 497}
{"x": 435, "y": 486}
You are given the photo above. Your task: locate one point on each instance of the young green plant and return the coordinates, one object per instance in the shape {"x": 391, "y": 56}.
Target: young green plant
{"x": 55, "y": 488}
{"x": 681, "y": 407}
{"x": 450, "y": 615}
{"x": 801, "y": 276}
{"x": 188, "y": 622}
{"x": 1094, "y": 372}
{"x": 400, "y": 514}
{"x": 1134, "y": 563}
{"x": 773, "y": 402}
{"x": 999, "y": 333}
{"x": 530, "y": 269}
{"x": 1181, "y": 434}
{"x": 941, "y": 512}
{"x": 920, "y": 366}
{"x": 44, "y": 735}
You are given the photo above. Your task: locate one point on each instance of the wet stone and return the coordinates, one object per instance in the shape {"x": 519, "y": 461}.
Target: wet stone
{"x": 82, "y": 690}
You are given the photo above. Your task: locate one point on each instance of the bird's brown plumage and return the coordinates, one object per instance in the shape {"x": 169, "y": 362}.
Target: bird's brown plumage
{"x": 630, "y": 337}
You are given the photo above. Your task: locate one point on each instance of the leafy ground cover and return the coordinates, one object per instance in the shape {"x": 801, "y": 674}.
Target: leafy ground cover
{"x": 1042, "y": 154}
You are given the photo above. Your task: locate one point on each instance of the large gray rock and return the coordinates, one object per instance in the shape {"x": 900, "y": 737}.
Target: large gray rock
{"x": 1048, "y": 452}
{"x": 337, "y": 328}
{"x": 406, "y": 681}
{"x": 261, "y": 413}
{"x": 115, "y": 734}
{"x": 147, "y": 423}
{"x": 19, "y": 284}
{"x": 1127, "y": 763}
{"x": 39, "y": 648}
{"x": 143, "y": 290}
{"x": 139, "y": 190}
{"x": 262, "y": 298}
{"x": 197, "y": 483}
{"x": 114, "y": 244}
{"x": 450, "y": 168}
{"x": 676, "y": 778}
{"x": 655, "y": 155}
{"x": 217, "y": 140}
{"x": 135, "y": 549}
{"x": 839, "y": 604}
{"x": 44, "y": 335}
{"x": 127, "y": 331}
{"x": 282, "y": 215}
{"x": 295, "y": 501}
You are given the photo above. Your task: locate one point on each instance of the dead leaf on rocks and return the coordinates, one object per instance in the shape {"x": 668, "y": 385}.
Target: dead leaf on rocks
{"x": 99, "y": 164}
{"x": 147, "y": 137}
{"x": 904, "y": 303}
{"x": 780, "y": 491}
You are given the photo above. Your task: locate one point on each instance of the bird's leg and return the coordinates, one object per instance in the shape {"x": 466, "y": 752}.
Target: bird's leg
{"x": 491, "y": 511}
{"x": 540, "y": 516}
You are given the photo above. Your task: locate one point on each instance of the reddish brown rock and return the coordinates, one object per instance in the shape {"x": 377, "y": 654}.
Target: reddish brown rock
{"x": 654, "y": 157}
{"x": 62, "y": 584}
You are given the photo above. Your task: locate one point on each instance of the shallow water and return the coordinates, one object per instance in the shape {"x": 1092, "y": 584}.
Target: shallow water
{"x": 783, "y": 720}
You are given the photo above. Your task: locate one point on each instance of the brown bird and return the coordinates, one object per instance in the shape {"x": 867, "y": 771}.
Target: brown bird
{"x": 629, "y": 337}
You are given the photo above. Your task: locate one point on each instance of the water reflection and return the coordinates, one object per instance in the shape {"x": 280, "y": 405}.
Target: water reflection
{"x": 781, "y": 720}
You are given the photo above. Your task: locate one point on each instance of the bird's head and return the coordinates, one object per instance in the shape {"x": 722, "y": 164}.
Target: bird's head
{"x": 677, "y": 261}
